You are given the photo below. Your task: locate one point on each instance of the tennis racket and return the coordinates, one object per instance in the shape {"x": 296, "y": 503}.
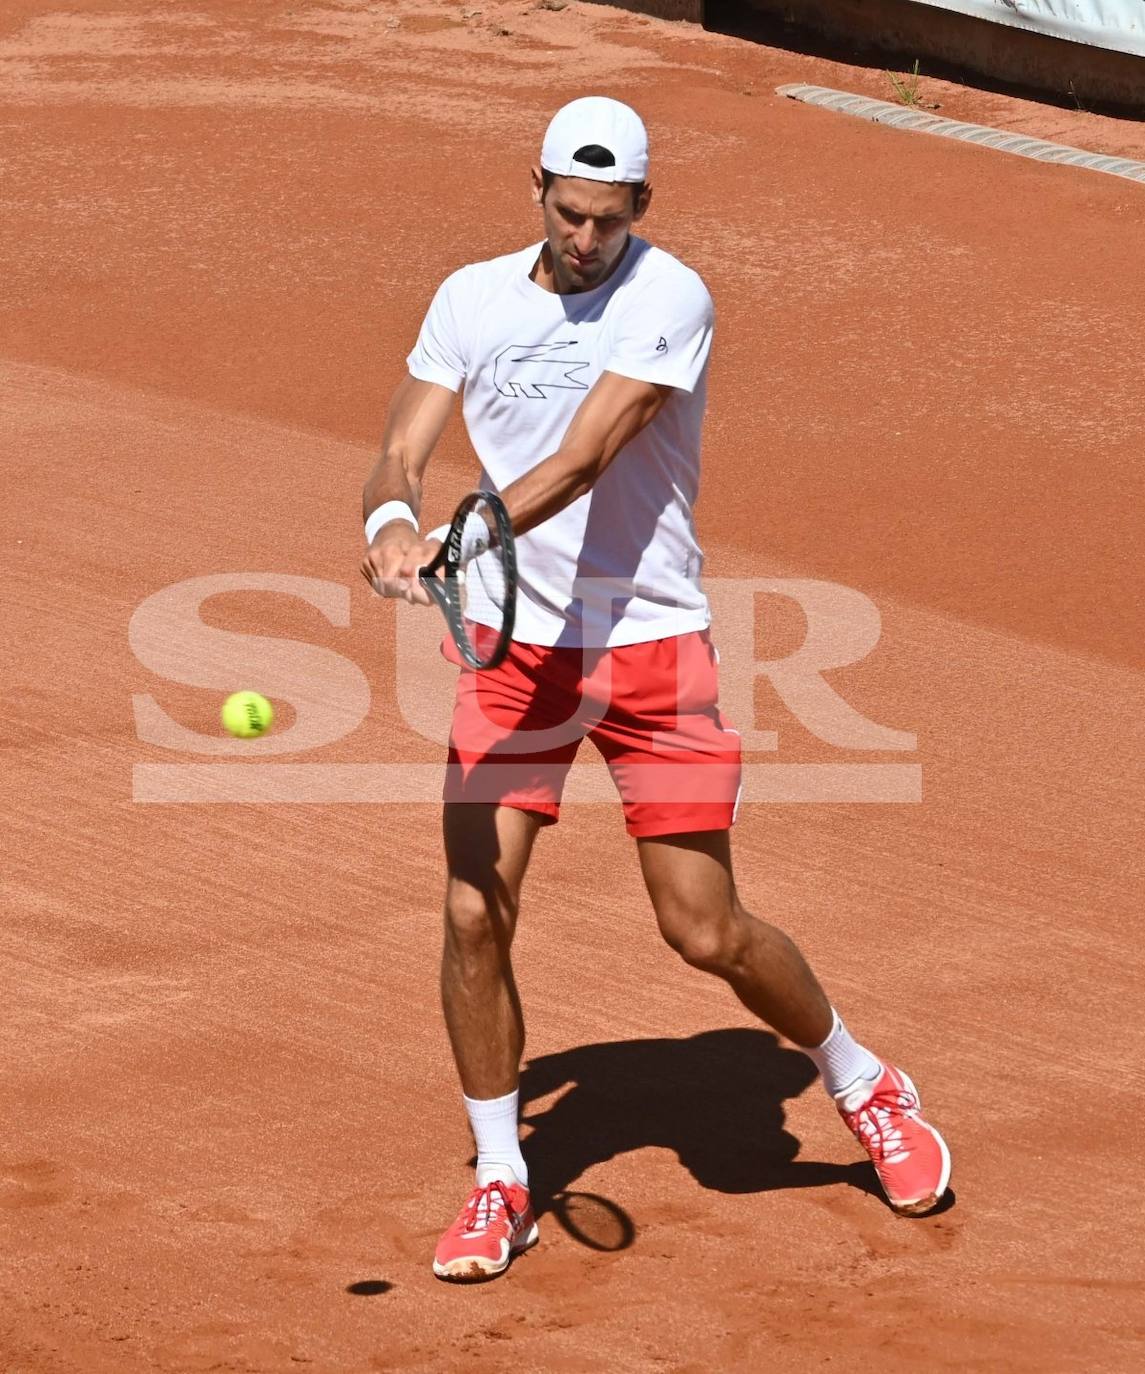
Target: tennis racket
{"x": 473, "y": 578}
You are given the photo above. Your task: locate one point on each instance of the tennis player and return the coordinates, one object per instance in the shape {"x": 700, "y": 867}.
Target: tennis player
{"x": 583, "y": 363}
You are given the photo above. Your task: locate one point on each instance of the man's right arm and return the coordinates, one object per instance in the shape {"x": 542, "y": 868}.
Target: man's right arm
{"x": 417, "y": 416}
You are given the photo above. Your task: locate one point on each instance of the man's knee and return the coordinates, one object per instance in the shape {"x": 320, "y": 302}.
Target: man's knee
{"x": 478, "y": 921}
{"x": 710, "y": 941}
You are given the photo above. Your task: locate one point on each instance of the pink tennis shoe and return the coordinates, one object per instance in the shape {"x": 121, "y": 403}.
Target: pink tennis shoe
{"x": 910, "y": 1157}
{"x": 495, "y": 1224}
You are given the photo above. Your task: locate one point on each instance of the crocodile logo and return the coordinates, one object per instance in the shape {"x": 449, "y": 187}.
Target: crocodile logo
{"x": 533, "y": 370}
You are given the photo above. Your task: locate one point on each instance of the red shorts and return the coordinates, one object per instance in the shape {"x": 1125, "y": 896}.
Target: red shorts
{"x": 649, "y": 708}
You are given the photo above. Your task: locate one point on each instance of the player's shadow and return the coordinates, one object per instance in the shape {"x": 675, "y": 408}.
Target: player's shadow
{"x": 716, "y": 1099}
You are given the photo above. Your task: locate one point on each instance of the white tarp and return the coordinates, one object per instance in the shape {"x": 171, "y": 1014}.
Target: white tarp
{"x": 1116, "y": 24}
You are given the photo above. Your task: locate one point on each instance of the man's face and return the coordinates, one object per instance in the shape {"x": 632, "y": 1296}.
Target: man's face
{"x": 587, "y": 225}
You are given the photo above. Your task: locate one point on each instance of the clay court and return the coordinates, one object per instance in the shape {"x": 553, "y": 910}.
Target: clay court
{"x": 231, "y": 1126}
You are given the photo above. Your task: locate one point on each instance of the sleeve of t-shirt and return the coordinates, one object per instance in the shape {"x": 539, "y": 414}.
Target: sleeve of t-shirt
{"x": 441, "y": 353}
{"x": 665, "y": 336}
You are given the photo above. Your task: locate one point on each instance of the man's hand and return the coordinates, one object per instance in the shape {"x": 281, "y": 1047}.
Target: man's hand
{"x": 391, "y": 563}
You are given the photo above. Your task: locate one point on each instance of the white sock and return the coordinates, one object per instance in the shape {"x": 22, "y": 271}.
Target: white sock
{"x": 494, "y": 1123}
{"x": 842, "y": 1061}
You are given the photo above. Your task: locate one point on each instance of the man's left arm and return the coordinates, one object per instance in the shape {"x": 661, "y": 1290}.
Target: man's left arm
{"x": 610, "y": 416}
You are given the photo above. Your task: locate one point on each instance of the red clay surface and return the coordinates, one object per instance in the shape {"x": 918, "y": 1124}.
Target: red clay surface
{"x": 228, "y": 1098}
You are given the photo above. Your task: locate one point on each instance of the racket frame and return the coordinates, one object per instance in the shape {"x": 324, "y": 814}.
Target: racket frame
{"x": 446, "y": 589}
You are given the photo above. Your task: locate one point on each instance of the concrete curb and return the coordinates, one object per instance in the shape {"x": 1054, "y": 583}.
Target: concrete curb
{"x": 903, "y": 117}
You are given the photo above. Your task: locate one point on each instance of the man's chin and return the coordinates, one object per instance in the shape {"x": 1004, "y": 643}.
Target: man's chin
{"x": 585, "y": 274}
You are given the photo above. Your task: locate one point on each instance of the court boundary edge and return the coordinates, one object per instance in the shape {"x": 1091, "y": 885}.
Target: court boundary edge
{"x": 981, "y": 135}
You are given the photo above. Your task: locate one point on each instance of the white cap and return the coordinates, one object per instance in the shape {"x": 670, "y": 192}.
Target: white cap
{"x": 594, "y": 119}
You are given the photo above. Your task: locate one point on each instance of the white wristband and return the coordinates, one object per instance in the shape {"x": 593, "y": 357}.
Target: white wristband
{"x": 389, "y": 510}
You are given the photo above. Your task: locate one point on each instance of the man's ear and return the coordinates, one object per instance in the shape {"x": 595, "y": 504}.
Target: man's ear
{"x": 642, "y": 203}
{"x": 538, "y": 185}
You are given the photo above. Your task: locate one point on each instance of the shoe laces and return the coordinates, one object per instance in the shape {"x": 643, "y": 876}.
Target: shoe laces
{"x": 879, "y": 1123}
{"x": 484, "y": 1206}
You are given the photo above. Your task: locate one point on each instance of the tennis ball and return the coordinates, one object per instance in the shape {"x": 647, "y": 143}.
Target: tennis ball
{"x": 246, "y": 714}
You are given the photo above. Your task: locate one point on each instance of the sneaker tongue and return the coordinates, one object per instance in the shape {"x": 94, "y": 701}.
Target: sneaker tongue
{"x": 853, "y": 1097}
{"x": 497, "y": 1173}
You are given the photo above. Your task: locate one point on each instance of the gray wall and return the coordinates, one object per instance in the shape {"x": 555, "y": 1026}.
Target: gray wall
{"x": 1069, "y": 70}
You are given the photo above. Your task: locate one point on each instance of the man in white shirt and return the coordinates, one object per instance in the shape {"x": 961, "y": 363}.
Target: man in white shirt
{"x": 583, "y": 361}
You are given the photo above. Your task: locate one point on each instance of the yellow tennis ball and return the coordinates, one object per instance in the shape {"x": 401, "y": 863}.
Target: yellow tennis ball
{"x": 247, "y": 714}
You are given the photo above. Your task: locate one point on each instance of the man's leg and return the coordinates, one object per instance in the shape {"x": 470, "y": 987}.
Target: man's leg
{"x": 689, "y": 879}
{"x": 487, "y": 849}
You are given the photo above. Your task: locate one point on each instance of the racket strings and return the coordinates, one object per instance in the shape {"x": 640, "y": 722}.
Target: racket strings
{"x": 484, "y": 591}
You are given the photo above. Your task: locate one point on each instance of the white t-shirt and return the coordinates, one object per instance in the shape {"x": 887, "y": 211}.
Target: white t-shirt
{"x": 621, "y": 564}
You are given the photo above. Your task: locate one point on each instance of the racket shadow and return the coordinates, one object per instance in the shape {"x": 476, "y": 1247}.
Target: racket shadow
{"x": 716, "y": 1099}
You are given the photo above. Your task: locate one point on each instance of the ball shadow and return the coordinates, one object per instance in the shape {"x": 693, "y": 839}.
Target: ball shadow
{"x": 369, "y": 1288}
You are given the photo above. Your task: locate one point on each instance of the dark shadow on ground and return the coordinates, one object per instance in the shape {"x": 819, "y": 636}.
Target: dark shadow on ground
{"x": 739, "y": 20}
{"x": 716, "y": 1099}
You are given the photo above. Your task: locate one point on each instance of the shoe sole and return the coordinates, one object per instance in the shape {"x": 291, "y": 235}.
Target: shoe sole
{"x": 923, "y": 1205}
{"x": 479, "y": 1270}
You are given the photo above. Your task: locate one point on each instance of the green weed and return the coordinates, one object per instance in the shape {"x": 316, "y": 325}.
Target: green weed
{"x": 906, "y": 86}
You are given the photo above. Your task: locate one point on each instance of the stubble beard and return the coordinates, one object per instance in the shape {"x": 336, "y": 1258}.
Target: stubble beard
{"x": 576, "y": 279}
